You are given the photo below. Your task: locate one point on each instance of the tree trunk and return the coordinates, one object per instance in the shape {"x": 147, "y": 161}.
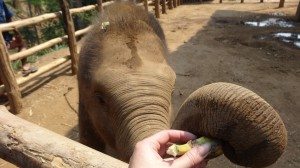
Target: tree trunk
{"x": 281, "y": 3}
{"x": 157, "y": 10}
{"x": 298, "y": 13}
{"x": 28, "y": 145}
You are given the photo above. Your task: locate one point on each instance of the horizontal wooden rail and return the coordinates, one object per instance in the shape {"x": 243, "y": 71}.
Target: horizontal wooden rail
{"x": 34, "y": 20}
{"x": 45, "y": 45}
{"x": 42, "y": 70}
{"x": 28, "y": 145}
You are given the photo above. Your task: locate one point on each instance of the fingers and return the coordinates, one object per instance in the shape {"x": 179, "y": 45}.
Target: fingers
{"x": 173, "y": 136}
{"x": 193, "y": 158}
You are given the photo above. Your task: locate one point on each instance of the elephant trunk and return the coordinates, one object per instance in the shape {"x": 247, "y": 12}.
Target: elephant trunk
{"x": 141, "y": 108}
{"x": 139, "y": 124}
{"x": 251, "y": 131}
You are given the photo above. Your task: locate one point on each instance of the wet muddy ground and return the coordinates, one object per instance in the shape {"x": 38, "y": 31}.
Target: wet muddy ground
{"x": 208, "y": 43}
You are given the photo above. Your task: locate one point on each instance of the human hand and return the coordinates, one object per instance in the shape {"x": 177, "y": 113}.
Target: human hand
{"x": 148, "y": 153}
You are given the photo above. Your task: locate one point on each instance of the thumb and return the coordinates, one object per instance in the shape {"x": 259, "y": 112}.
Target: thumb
{"x": 193, "y": 158}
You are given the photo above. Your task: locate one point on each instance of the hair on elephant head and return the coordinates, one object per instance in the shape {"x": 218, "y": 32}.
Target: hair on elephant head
{"x": 125, "y": 86}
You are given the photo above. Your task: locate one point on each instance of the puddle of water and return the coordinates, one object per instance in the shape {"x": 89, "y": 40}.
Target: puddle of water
{"x": 270, "y": 22}
{"x": 293, "y": 38}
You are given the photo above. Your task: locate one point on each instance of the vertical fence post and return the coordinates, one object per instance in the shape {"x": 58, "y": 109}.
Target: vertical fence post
{"x": 67, "y": 17}
{"x": 220, "y": 1}
{"x": 261, "y": 1}
{"x": 8, "y": 78}
{"x": 242, "y": 1}
{"x": 281, "y": 3}
{"x": 100, "y": 6}
{"x": 163, "y": 7}
{"x": 157, "y": 4}
{"x": 170, "y": 4}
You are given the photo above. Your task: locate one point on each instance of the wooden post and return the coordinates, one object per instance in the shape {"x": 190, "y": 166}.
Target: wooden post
{"x": 28, "y": 145}
{"x": 174, "y": 4}
{"x": 157, "y": 4}
{"x": 242, "y": 1}
{"x": 170, "y": 4}
{"x": 261, "y": 1}
{"x": 8, "y": 78}
{"x": 99, "y": 6}
{"x": 298, "y": 13}
{"x": 220, "y": 1}
{"x": 178, "y": 2}
{"x": 146, "y": 5}
{"x": 163, "y": 8}
{"x": 281, "y": 3}
{"x": 67, "y": 17}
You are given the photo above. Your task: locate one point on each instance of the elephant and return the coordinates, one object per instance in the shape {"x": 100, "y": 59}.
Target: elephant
{"x": 125, "y": 87}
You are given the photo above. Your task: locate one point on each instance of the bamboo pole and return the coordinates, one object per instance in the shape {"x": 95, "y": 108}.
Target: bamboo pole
{"x": 163, "y": 8}
{"x": 99, "y": 6}
{"x": 8, "y": 78}
{"x": 31, "y": 146}
{"x": 157, "y": 4}
{"x": 281, "y": 3}
{"x": 146, "y": 5}
{"x": 67, "y": 17}
{"x": 45, "y": 45}
{"x": 38, "y": 19}
{"x": 298, "y": 13}
{"x": 27, "y": 22}
{"x": 42, "y": 70}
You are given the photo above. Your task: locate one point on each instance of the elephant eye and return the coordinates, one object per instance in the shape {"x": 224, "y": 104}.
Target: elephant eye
{"x": 100, "y": 98}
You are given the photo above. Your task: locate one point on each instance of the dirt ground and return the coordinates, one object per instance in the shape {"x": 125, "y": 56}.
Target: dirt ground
{"x": 208, "y": 43}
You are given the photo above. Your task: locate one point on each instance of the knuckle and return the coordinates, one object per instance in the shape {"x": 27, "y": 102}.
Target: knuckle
{"x": 192, "y": 156}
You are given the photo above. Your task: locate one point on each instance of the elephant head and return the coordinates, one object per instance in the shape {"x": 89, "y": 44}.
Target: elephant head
{"x": 125, "y": 86}
{"x": 125, "y": 83}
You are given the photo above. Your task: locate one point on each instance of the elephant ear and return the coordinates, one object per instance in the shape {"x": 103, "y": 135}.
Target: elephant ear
{"x": 251, "y": 131}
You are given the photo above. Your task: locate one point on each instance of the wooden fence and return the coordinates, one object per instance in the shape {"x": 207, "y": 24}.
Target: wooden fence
{"x": 30, "y": 146}
{"x": 11, "y": 83}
